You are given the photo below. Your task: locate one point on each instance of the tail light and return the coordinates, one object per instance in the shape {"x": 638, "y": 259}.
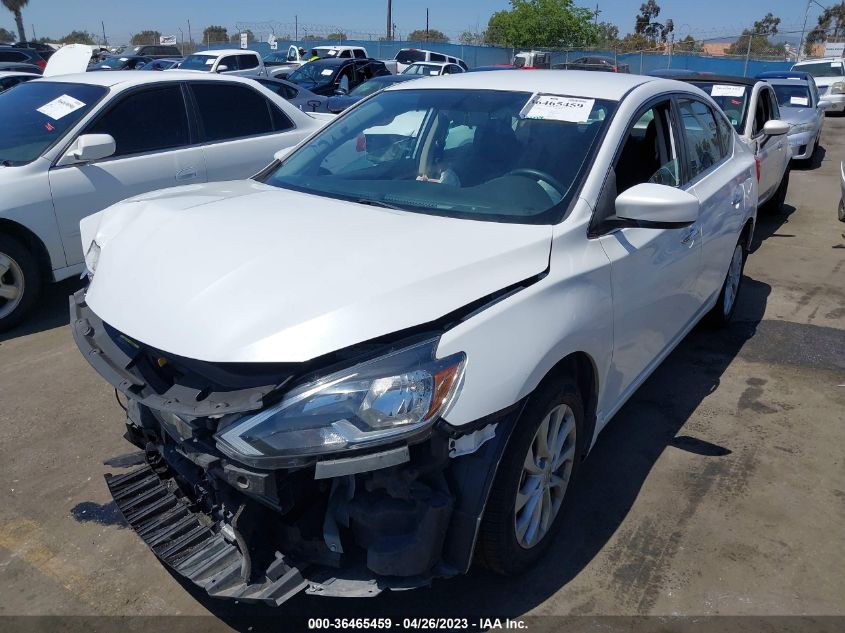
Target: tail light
{"x": 614, "y": 69}
{"x": 757, "y": 163}
{"x": 41, "y": 63}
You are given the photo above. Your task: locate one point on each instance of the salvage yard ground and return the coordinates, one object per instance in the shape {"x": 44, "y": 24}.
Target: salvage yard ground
{"x": 718, "y": 489}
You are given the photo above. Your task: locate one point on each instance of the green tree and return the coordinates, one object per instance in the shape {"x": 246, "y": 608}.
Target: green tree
{"x": 608, "y": 35}
{"x": 15, "y": 7}
{"x": 471, "y": 37}
{"x": 830, "y": 28}
{"x": 79, "y": 37}
{"x": 337, "y": 35}
{"x": 688, "y": 45}
{"x": 215, "y": 34}
{"x": 759, "y": 37}
{"x": 433, "y": 35}
{"x": 236, "y": 37}
{"x": 145, "y": 37}
{"x": 646, "y": 24}
{"x": 6, "y": 36}
{"x": 543, "y": 23}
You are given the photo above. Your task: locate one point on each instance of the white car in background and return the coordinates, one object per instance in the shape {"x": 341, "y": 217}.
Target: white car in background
{"x": 359, "y": 374}
{"x": 433, "y": 69}
{"x": 830, "y": 78}
{"x": 235, "y": 61}
{"x": 801, "y": 107}
{"x": 751, "y": 106}
{"x": 407, "y": 56}
{"x": 71, "y": 145}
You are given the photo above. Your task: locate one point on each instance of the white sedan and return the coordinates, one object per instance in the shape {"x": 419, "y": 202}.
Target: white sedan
{"x": 433, "y": 69}
{"x": 367, "y": 373}
{"x": 73, "y": 144}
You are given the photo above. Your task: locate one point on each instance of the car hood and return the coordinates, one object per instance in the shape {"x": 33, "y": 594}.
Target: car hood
{"x": 797, "y": 116}
{"x": 244, "y": 272}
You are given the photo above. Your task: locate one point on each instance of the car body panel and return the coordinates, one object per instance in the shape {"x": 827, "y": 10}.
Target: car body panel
{"x": 314, "y": 310}
{"x": 72, "y": 58}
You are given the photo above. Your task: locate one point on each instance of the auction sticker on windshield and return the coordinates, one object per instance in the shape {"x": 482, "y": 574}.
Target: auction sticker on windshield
{"x": 801, "y": 101}
{"x": 722, "y": 90}
{"x": 556, "y": 108}
{"x": 60, "y": 106}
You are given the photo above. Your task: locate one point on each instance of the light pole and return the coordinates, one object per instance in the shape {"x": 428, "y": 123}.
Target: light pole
{"x": 804, "y": 28}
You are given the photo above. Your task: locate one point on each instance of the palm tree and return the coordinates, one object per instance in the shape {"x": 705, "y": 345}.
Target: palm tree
{"x": 15, "y": 7}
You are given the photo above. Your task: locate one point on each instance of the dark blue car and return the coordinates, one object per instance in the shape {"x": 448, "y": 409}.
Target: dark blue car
{"x": 165, "y": 63}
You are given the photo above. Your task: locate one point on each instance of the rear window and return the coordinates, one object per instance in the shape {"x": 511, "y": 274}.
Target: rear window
{"x": 821, "y": 69}
{"x": 37, "y": 114}
{"x": 731, "y": 98}
{"x": 408, "y": 56}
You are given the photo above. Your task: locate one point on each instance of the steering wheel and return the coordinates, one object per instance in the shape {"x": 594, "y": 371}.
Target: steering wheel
{"x": 536, "y": 174}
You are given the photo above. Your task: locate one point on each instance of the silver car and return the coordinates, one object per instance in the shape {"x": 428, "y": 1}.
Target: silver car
{"x": 801, "y": 107}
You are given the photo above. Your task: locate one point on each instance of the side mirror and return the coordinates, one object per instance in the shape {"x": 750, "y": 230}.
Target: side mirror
{"x": 282, "y": 154}
{"x": 657, "y": 206}
{"x": 222, "y": 68}
{"x": 775, "y": 127}
{"x": 89, "y": 147}
{"x": 825, "y": 105}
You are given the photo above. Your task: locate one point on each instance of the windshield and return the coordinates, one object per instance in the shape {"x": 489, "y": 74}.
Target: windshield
{"x": 732, "y": 98}
{"x": 421, "y": 69}
{"x": 198, "y": 62}
{"x": 367, "y": 88}
{"x": 478, "y": 154}
{"x": 37, "y": 114}
{"x": 792, "y": 95}
{"x": 311, "y": 72}
{"x": 113, "y": 62}
{"x": 821, "y": 69}
{"x": 409, "y": 56}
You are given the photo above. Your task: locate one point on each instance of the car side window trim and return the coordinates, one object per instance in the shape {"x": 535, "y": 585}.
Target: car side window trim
{"x": 693, "y": 180}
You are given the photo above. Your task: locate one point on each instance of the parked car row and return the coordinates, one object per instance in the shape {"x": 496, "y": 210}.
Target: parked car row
{"x": 326, "y": 408}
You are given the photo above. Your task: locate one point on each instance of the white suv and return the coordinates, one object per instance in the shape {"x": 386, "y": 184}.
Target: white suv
{"x": 388, "y": 354}
{"x": 830, "y": 79}
{"x": 234, "y": 61}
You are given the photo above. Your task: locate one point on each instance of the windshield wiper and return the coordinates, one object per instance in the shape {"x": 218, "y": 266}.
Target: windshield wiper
{"x": 379, "y": 203}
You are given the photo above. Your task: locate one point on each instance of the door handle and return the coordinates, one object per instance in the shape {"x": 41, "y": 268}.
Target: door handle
{"x": 189, "y": 173}
{"x": 689, "y": 238}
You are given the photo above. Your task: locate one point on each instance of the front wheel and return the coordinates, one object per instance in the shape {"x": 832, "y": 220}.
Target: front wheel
{"x": 723, "y": 311}
{"x": 539, "y": 465}
{"x": 20, "y": 282}
{"x": 841, "y": 211}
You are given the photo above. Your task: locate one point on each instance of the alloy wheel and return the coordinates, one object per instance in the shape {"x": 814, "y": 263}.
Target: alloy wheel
{"x": 545, "y": 476}
{"x": 11, "y": 285}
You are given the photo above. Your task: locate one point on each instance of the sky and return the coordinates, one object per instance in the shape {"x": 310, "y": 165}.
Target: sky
{"x": 54, "y": 18}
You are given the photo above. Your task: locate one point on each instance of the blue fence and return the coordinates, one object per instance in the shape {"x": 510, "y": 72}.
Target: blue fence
{"x": 492, "y": 55}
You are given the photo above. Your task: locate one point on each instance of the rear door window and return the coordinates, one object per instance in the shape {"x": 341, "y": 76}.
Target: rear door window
{"x": 228, "y": 111}
{"x": 437, "y": 57}
{"x": 702, "y": 136}
{"x": 151, "y": 120}
{"x": 230, "y": 62}
{"x": 246, "y": 62}
{"x": 12, "y": 56}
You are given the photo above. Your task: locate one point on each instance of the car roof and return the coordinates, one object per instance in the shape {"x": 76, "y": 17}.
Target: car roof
{"x": 17, "y": 73}
{"x": 335, "y": 61}
{"x": 780, "y": 81}
{"x": 580, "y": 83}
{"x": 817, "y": 61}
{"x": 783, "y": 74}
{"x": 435, "y": 64}
{"x": 720, "y": 79}
{"x": 392, "y": 79}
{"x": 128, "y": 78}
{"x": 224, "y": 51}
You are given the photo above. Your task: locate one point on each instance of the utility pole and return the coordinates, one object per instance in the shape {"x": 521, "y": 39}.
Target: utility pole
{"x": 105, "y": 40}
{"x": 296, "y": 28}
{"x": 34, "y": 39}
{"x": 190, "y": 38}
{"x": 748, "y": 53}
{"x": 426, "y": 24}
{"x": 389, "y": 34}
{"x": 597, "y": 15}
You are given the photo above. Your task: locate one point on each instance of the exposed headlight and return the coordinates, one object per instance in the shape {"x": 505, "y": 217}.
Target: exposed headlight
{"x": 92, "y": 257}
{"x": 390, "y": 397}
{"x": 837, "y": 88}
{"x": 802, "y": 127}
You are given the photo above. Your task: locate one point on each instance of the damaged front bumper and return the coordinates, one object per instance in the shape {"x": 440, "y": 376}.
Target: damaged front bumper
{"x": 393, "y": 517}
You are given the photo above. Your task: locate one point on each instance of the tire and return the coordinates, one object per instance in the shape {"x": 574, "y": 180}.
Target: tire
{"x": 775, "y": 204}
{"x": 723, "y": 311}
{"x": 20, "y": 282}
{"x": 841, "y": 211}
{"x": 501, "y": 548}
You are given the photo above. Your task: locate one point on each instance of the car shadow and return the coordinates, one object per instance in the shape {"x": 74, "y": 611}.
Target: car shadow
{"x": 769, "y": 224}
{"x": 609, "y": 484}
{"x": 50, "y": 312}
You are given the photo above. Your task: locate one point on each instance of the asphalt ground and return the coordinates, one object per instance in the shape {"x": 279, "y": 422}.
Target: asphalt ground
{"x": 719, "y": 489}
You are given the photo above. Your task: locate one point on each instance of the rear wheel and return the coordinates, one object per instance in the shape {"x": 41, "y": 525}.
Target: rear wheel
{"x": 723, "y": 311}
{"x": 841, "y": 211}
{"x": 540, "y": 462}
{"x": 20, "y": 282}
